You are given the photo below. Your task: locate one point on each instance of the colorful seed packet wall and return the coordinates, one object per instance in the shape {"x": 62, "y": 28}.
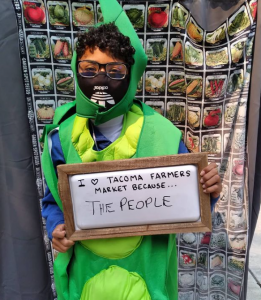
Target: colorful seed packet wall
{"x": 197, "y": 79}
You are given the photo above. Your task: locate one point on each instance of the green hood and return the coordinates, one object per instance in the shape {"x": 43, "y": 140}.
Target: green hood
{"x": 113, "y": 12}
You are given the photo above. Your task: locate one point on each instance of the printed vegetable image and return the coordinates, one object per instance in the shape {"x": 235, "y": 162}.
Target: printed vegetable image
{"x": 192, "y": 142}
{"x": 187, "y": 259}
{"x": 235, "y": 83}
{"x": 157, "y": 17}
{"x": 220, "y": 219}
{"x": 216, "y": 36}
{"x": 188, "y": 238}
{"x": 176, "y": 52}
{"x": 235, "y": 287}
{"x": 83, "y": 16}
{"x": 230, "y": 113}
{"x": 176, "y": 113}
{"x": 186, "y": 279}
{"x": 38, "y": 47}
{"x": 215, "y": 87}
{"x": 45, "y": 112}
{"x": 237, "y": 219}
{"x": 136, "y": 17}
{"x": 42, "y": 80}
{"x": 249, "y": 46}
{"x": 155, "y": 83}
{"x": 218, "y": 240}
{"x": 33, "y": 13}
{"x": 240, "y": 22}
{"x": 253, "y": 9}
{"x": 157, "y": 50}
{"x": 99, "y": 14}
{"x": 193, "y": 118}
{"x": 179, "y": 17}
{"x": 237, "y": 51}
{"x": 211, "y": 144}
{"x": 239, "y": 139}
{"x": 194, "y": 87}
{"x": 194, "y": 32}
{"x": 217, "y": 261}
{"x": 215, "y": 58}
{"x": 237, "y": 241}
{"x": 193, "y": 56}
{"x": 62, "y": 49}
{"x": 59, "y": 15}
{"x": 238, "y": 168}
{"x": 235, "y": 265}
{"x": 202, "y": 259}
{"x": 64, "y": 82}
{"x": 176, "y": 84}
{"x": 212, "y": 118}
{"x": 217, "y": 281}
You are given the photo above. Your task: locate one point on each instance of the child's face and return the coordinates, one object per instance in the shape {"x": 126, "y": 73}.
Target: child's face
{"x": 105, "y": 88}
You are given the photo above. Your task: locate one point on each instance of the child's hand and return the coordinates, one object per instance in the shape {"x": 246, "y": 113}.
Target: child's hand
{"x": 211, "y": 181}
{"x": 60, "y": 242}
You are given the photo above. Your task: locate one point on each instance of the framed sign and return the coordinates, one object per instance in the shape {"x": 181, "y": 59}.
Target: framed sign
{"x": 143, "y": 196}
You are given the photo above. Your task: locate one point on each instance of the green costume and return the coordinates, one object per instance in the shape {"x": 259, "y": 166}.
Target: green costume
{"x": 138, "y": 268}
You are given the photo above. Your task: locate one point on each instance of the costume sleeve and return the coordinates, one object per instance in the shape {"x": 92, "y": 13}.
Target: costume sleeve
{"x": 50, "y": 210}
{"x": 182, "y": 150}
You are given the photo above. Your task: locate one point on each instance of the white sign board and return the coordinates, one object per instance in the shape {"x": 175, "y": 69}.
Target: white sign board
{"x": 135, "y": 197}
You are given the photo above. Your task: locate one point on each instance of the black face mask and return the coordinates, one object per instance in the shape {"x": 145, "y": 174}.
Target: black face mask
{"x": 103, "y": 90}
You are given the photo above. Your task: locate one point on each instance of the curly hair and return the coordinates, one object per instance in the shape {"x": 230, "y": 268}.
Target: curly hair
{"x": 107, "y": 38}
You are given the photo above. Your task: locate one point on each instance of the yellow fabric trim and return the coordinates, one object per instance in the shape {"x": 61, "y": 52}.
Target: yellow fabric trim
{"x": 124, "y": 147}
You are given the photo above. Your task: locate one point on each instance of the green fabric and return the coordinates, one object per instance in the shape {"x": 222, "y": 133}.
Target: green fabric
{"x": 117, "y": 284}
{"x": 154, "y": 259}
{"x": 115, "y": 248}
{"x": 113, "y": 12}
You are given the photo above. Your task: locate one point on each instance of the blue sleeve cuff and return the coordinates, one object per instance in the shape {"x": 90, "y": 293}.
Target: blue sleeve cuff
{"x": 182, "y": 148}
{"x": 213, "y": 202}
{"x": 51, "y": 229}
{"x": 50, "y": 210}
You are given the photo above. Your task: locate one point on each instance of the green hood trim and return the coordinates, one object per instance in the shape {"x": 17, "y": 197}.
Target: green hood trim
{"x": 113, "y": 12}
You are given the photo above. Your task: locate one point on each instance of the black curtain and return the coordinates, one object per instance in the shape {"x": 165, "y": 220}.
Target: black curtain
{"x": 24, "y": 273}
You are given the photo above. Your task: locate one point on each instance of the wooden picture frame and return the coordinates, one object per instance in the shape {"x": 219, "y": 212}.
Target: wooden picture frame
{"x": 204, "y": 224}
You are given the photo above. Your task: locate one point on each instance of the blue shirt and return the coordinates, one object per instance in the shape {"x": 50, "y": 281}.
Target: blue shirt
{"x": 50, "y": 210}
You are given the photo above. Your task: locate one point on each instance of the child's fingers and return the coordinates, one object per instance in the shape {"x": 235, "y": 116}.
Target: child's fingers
{"x": 60, "y": 227}
{"x": 208, "y": 168}
{"x": 213, "y": 180}
{"x": 213, "y": 189}
{"x": 210, "y": 174}
{"x": 67, "y": 243}
{"x": 62, "y": 245}
{"x": 57, "y": 246}
{"x": 59, "y": 232}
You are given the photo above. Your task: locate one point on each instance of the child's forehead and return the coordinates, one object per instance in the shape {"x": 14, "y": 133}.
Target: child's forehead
{"x": 101, "y": 57}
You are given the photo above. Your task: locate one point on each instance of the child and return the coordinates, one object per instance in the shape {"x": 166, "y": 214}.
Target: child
{"x": 109, "y": 124}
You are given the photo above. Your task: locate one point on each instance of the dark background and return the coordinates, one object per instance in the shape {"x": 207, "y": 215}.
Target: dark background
{"x": 24, "y": 273}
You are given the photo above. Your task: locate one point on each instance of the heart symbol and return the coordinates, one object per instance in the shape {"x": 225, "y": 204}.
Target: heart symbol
{"x": 94, "y": 181}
